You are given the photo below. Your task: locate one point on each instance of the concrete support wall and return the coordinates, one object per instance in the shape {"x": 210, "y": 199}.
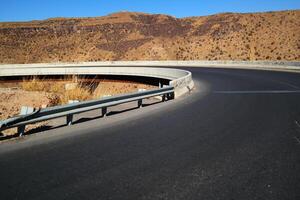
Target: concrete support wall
{"x": 180, "y": 79}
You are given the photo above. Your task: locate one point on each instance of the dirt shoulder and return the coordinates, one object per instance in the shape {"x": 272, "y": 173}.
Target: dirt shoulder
{"x": 11, "y": 100}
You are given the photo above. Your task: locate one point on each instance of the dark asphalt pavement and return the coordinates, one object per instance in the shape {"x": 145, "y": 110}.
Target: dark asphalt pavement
{"x": 237, "y": 136}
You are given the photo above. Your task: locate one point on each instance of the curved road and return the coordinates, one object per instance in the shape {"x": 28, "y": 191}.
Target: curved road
{"x": 237, "y": 136}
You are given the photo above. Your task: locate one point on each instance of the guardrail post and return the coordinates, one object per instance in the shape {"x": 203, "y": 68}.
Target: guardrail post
{"x": 66, "y": 111}
{"x": 21, "y": 130}
{"x": 140, "y": 103}
{"x": 69, "y": 119}
{"x": 104, "y": 111}
{"x": 163, "y": 98}
{"x": 171, "y": 95}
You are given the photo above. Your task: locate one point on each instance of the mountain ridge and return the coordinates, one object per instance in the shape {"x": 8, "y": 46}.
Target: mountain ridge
{"x": 143, "y": 36}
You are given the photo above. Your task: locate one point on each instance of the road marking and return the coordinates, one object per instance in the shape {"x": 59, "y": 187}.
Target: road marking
{"x": 297, "y": 140}
{"x": 288, "y": 84}
{"x": 258, "y": 92}
{"x": 296, "y": 122}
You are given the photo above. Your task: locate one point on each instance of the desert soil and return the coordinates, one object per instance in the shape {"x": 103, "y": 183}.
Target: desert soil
{"x": 11, "y": 100}
{"x": 140, "y": 36}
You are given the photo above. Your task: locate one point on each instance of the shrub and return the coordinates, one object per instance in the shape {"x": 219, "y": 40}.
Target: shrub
{"x": 61, "y": 96}
{"x": 78, "y": 93}
{"x": 57, "y": 88}
{"x": 33, "y": 84}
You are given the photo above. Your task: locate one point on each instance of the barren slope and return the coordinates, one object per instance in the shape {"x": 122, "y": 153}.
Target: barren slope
{"x": 139, "y": 36}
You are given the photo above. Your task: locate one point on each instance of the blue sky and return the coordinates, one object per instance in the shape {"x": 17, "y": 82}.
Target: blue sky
{"x": 24, "y": 10}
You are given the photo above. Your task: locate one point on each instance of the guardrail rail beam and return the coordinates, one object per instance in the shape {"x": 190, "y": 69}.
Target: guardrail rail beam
{"x": 69, "y": 110}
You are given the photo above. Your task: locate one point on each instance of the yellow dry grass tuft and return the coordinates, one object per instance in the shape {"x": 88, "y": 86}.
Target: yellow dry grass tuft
{"x": 63, "y": 96}
{"x": 78, "y": 93}
{"x": 33, "y": 84}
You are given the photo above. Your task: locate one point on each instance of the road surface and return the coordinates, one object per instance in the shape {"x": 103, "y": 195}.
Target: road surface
{"x": 236, "y": 136}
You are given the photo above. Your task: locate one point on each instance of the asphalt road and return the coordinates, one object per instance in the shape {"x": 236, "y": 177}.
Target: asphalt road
{"x": 236, "y": 136}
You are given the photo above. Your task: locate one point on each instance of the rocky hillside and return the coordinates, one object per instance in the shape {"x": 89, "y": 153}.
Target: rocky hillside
{"x": 139, "y": 36}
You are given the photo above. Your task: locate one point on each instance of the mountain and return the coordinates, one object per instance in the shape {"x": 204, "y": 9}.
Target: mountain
{"x": 140, "y": 36}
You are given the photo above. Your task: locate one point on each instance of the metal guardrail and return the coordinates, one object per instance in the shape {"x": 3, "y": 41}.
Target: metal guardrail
{"x": 69, "y": 110}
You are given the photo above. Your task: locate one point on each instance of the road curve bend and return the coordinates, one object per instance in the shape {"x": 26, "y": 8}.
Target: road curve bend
{"x": 236, "y": 136}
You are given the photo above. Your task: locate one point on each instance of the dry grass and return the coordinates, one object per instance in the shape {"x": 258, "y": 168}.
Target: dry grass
{"x": 37, "y": 93}
{"x": 83, "y": 89}
{"x": 33, "y": 84}
{"x": 80, "y": 92}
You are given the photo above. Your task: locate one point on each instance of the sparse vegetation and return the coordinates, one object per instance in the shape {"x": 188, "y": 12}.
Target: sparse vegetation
{"x": 79, "y": 92}
{"x": 137, "y": 36}
{"x": 37, "y": 92}
{"x": 78, "y": 88}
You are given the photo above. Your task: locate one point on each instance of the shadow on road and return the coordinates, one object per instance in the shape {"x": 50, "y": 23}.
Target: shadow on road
{"x": 81, "y": 120}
